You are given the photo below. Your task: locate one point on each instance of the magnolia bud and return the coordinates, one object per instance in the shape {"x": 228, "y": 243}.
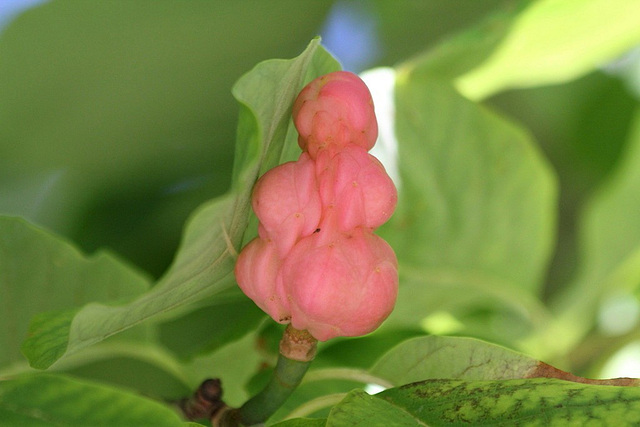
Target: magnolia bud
{"x": 316, "y": 262}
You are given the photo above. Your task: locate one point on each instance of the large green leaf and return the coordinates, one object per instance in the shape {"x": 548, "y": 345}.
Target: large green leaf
{"x": 214, "y": 234}
{"x": 56, "y": 400}
{"x": 554, "y": 41}
{"x": 40, "y": 272}
{"x": 475, "y": 220}
{"x": 508, "y": 402}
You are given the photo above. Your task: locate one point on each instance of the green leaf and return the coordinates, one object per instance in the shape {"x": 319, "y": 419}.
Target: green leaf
{"x": 213, "y": 236}
{"x": 45, "y": 400}
{"x": 360, "y": 409}
{"x": 210, "y": 325}
{"x": 433, "y": 357}
{"x": 40, "y": 271}
{"x": 147, "y": 368}
{"x": 541, "y": 48}
{"x": 475, "y": 221}
{"x": 510, "y": 402}
{"x": 302, "y": 422}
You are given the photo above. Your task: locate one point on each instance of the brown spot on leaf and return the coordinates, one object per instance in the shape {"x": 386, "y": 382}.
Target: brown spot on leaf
{"x": 544, "y": 370}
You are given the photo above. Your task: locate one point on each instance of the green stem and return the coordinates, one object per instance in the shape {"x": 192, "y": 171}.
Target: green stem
{"x": 285, "y": 379}
{"x": 297, "y": 350}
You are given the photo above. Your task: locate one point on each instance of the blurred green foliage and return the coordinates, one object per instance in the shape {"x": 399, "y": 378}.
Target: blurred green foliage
{"x": 518, "y": 215}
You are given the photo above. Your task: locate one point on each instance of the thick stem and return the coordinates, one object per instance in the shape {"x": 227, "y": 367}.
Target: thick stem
{"x": 297, "y": 350}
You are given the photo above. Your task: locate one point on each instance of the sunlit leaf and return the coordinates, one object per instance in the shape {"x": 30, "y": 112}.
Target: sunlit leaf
{"x": 554, "y": 41}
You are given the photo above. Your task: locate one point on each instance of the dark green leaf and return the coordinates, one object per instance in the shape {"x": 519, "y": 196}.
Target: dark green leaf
{"x": 40, "y": 272}
{"x": 211, "y": 324}
{"x": 147, "y": 368}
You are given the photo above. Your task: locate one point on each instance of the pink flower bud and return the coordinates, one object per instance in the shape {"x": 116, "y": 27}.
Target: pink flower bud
{"x": 357, "y": 186}
{"x": 287, "y": 203}
{"x": 334, "y": 110}
{"x": 340, "y": 284}
{"x": 256, "y": 272}
{"x": 316, "y": 262}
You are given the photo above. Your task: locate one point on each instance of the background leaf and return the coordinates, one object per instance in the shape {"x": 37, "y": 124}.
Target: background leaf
{"x": 465, "y": 50}
{"x": 116, "y": 119}
{"x": 44, "y": 400}
{"x": 475, "y": 222}
{"x": 610, "y": 243}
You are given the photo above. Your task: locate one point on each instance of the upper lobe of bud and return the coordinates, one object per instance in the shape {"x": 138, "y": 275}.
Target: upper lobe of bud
{"x": 334, "y": 110}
